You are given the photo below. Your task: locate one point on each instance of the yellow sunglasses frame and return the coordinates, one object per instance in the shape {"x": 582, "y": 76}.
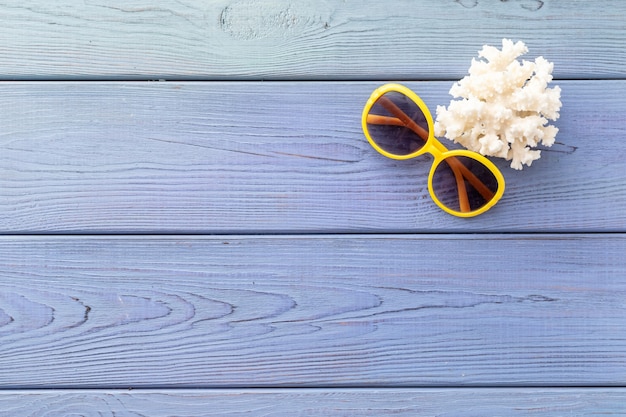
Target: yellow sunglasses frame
{"x": 435, "y": 148}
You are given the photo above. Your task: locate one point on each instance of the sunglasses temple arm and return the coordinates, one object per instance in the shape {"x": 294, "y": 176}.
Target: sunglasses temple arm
{"x": 404, "y": 119}
{"x": 460, "y": 186}
{"x": 375, "y": 119}
{"x": 482, "y": 189}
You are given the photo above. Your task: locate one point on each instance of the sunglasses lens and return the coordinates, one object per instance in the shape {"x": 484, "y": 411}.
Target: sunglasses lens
{"x": 397, "y": 124}
{"x": 464, "y": 184}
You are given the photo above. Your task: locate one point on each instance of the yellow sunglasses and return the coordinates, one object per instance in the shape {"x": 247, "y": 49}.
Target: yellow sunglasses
{"x": 397, "y": 123}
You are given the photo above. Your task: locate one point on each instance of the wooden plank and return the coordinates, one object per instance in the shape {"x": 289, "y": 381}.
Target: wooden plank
{"x": 297, "y": 402}
{"x": 315, "y": 311}
{"x": 281, "y": 39}
{"x": 275, "y": 157}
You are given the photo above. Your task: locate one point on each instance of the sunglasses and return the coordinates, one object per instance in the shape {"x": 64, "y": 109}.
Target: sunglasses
{"x": 397, "y": 123}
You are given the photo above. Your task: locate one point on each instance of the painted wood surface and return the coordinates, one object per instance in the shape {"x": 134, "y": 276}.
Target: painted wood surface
{"x": 313, "y": 311}
{"x": 283, "y": 39}
{"x": 276, "y": 158}
{"x": 299, "y": 320}
{"x": 323, "y": 403}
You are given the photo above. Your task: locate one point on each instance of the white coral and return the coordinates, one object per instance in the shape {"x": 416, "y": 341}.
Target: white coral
{"x": 505, "y": 106}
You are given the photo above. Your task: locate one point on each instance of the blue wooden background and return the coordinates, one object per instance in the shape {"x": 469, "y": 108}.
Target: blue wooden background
{"x": 192, "y": 223}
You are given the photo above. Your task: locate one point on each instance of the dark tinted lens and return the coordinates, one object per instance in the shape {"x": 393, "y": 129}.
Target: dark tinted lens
{"x": 463, "y": 184}
{"x": 397, "y": 124}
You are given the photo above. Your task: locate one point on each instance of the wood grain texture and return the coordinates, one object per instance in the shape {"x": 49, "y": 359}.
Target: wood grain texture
{"x": 298, "y": 402}
{"x": 283, "y": 39}
{"x": 294, "y": 324}
{"x": 312, "y": 311}
{"x": 275, "y": 158}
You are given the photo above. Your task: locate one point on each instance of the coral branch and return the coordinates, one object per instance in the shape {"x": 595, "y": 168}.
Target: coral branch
{"x": 504, "y": 105}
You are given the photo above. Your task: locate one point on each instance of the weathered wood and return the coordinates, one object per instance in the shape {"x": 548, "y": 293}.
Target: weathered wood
{"x": 377, "y": 311}
{"x": 275, "y": 157}
{"x": 356, "y": 321}
{"x": 298, "y": 402}
{"x": 281, "y": 39}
